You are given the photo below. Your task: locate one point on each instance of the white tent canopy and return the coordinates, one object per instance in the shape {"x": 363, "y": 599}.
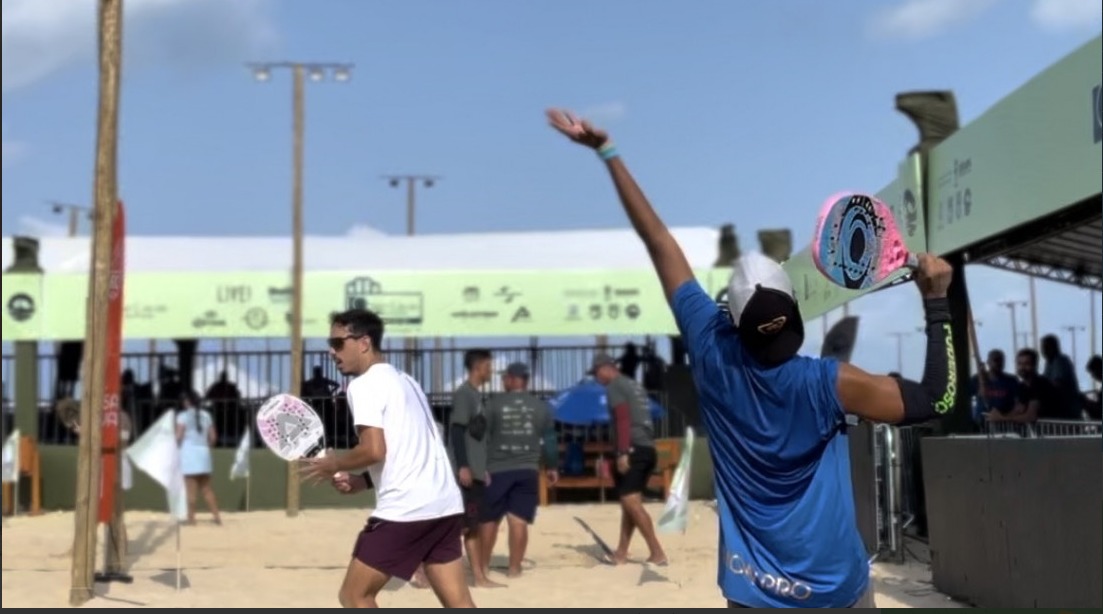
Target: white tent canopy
{"x": 535, "y": 251}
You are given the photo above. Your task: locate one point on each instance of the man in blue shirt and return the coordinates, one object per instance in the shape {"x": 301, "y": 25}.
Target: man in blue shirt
{"x": 775, "y": 420}
{"x": 1000, "y": 389}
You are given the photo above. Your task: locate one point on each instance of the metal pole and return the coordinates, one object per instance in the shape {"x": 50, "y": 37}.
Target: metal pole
{"x": 298, "y": 102}
{"x": 411, "y": 205}
{"x": 74, "y": 220}
{"x": 1093, "y": 313}
{"x": 900, "y": 350}
{"x": 1033, "y": 314}
{"x": 410, "y": 343}
{"x": 1072, "y": 336}
{"x": 1011, "y": 307}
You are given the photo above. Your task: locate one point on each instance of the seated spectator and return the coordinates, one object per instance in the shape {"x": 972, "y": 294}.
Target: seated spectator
{"x": 1092, "y": 400}
{"x": 1000, "y": 388}
{"x": 1060, "y": 372}
{"x": 1037, "y": 397}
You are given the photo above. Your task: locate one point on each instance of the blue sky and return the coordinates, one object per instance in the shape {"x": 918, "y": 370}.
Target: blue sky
{"x": 727, "y": 111}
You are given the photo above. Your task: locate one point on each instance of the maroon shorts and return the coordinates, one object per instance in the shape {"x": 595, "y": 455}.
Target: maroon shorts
{"x": 398, "y": 548}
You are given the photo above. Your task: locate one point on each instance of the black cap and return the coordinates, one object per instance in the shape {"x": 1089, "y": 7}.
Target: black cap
{"x": 764, "y": 308}
{"x": 518, "y": 369}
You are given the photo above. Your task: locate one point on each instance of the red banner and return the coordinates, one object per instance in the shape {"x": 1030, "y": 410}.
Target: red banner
{"x": 112, "y": 383}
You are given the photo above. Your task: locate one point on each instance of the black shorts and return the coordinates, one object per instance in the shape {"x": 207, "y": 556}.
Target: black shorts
{"x": 474, "y": 498}
{"x": 641, "y": 464}
{"x": 515, "y": 492}
{"x": 398, "y": 548}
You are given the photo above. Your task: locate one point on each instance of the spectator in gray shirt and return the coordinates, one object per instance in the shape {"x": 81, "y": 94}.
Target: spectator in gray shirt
{"x": 520, "y": 434}
{"x": 467, "y": 436}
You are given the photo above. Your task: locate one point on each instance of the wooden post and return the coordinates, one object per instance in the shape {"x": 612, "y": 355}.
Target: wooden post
{"x": 298, "y": 101}
{"x": 106, "y": 197}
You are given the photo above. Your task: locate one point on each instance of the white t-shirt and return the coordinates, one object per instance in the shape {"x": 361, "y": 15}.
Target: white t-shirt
{"x": 415, "y": 480}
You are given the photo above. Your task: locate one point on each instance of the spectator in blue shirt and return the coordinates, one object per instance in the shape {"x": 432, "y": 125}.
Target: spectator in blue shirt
{"x": 1000, "y": 388}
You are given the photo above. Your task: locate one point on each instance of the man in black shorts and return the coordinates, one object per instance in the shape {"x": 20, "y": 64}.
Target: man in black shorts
{"x": 519, "y": 427}
{"x": 634, "y": 444}
{"x": 467, "y": 435}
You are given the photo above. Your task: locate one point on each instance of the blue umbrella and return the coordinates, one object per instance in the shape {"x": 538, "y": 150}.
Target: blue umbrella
{"x": 584, "y": 404}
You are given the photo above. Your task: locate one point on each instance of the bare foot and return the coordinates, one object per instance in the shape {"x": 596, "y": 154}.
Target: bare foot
{"x": 488, "y": 583}
{"x": 513, "y": 573}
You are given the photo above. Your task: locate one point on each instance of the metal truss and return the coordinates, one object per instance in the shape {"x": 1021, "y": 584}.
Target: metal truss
{"x": 1045, "y": 271}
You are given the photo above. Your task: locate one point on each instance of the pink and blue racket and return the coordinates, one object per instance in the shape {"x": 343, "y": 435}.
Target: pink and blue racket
{"x": 857, "y": 244}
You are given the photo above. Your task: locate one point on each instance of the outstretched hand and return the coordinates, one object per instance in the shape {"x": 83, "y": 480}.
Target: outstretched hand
{"x": 577, "y": 129}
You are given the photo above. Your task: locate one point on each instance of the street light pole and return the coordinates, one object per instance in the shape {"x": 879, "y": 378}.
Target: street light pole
{"x": 1072, "y": 328}
{"x": 74, "y": 211}
{"x": 900, "y": 349}
{"x": 300, "y": 71}
{"x": 411, "y": 182}
{"x": 1011, "y": 305}
{"x": 1093, "y": 314}
{"x": 1033, "y": 313}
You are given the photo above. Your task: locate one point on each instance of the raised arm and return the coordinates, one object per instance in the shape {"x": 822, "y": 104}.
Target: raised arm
{"x": 667, "y": 256}
{"x": 881, "y": 398}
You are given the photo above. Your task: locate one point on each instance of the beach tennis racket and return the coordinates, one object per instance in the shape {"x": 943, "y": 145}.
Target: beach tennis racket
{"x": 857, "y": 244}
{"x": 290, "y": 428}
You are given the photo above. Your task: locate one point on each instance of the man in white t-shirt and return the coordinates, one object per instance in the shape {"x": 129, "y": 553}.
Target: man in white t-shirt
{"x": 419, "y": 515}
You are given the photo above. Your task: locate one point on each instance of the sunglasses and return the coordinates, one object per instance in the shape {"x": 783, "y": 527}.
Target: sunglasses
{"x": 338, "y": 343}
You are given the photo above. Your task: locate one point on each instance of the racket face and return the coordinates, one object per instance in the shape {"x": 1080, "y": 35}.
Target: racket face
{"x": 289, "y": 427}
{"x": 857, "y": 244}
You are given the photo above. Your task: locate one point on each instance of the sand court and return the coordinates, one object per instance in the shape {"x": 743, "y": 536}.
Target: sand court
{"x": 264, "y": 559}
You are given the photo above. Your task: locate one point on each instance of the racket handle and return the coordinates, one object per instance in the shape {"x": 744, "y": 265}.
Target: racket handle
{"x": 912, "y": 262}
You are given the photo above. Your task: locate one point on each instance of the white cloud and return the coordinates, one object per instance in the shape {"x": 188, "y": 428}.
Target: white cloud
{"x": 42, "y": 37}
{"x": 30, "y": 226}
{"x": 913, "y": 20}
{"x": 605, "y": 112}
{"x": 1056, "y": 15}
{"x": 12, "y": 150}
{"x": 363, "y": 231}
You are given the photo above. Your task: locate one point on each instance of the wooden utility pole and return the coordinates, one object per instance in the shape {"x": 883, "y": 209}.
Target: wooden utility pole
{"x": 316, "y": 71}
{"x": 105, "y": 196}
{"x": 294, "y": 493}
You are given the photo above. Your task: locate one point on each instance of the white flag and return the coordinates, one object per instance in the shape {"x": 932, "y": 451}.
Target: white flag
{"x": 126, "y": 473}
{"x": 240, "y": 468}
{"x": 11, "y": 458}
{"x": 157, "y": 454}
{"x": 677, "y": 503}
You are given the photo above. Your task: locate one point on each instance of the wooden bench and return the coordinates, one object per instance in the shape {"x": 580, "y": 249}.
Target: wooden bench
{"x": 30, "y": 466}
{"x": 599, "y": 467}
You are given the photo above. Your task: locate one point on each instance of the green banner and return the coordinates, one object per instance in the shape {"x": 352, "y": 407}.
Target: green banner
{"x": 1034, "y": 153}
{"x": 904, "y": 196}
{"x": 22, "y": 318}
{"x": 250, "y": 304}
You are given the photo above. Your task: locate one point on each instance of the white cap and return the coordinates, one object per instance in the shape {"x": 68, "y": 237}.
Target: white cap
{"x": 763, "y": 307}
